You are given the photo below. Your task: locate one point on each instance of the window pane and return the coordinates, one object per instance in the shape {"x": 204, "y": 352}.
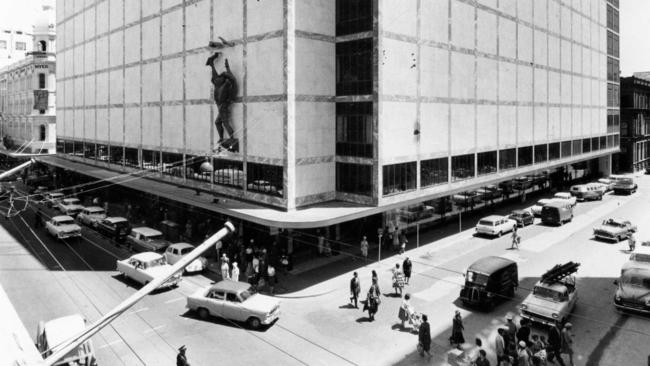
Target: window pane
{"x": 566, "y": 149}
{"x": 577, "y": 147}
{"x": 354, "y": 129}
{"x": 487, "y": 162}
{"x": 353, "y": 16}
{"x": 586, "y": 145}
{"x": 399, "y": 177}
{"x": 150, "y": 160}
{"x": 193, "y": 167}
{"x": 265, "y": 178}
{"x": 462, "y": 167}
{"x": 229, "y": 173}
{"x": 89, "y": 150}
{"x": 603, "y": 142}
{"x": 507, "y": 159}
{"x": 541, "y": 153}
{"x": 554, "y": 151}
{"x": 354, "y": 178}
{"x": 595, "y": 144}
{"x": 131, "y": 157}
{"x": 525, "y": 155}
{"x": 102, "y": 153}
{"x": 354, "y": 67}
{"x": 434, "y": 171}
{"x": 117, "y": 154}
{"x": 172, "y": 164}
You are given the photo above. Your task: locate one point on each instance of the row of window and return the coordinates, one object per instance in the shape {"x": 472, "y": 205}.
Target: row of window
{"x": 612, "y": 18}
{"x": 353, "y": 16}
{"x": 639, "y": 125}
{"x": 613, "y": 123}
{"x": 613, "y": 95}
{"x": 613, "y": 70}
{"x": 20, "y": 46}
{"x": 354, "y": 129}
{"x": 263, "y": 178}
{"x": 613, "y": 44}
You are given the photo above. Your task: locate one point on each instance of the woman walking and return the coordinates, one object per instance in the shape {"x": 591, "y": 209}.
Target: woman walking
{"x": 405, "y": 310}
{"x": 373, "y": 300}
{"x": 424, "y": 336}
{"x": 457, "y": 331}
{"x": 406, "y": 267}
{"x": 398, "y": 280}
{"x": 235, "y": 272}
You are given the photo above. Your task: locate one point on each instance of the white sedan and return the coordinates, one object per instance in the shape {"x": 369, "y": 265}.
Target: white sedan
{"x": 495, "y": 225}
{"x": 537, "y": 208}
{"x": 63, "y": 227}
{"x": 176, "y": 252}
{"x": 91, "y": 215}
{"x": 565, "y": 197}
{"x": 144, "y": 267}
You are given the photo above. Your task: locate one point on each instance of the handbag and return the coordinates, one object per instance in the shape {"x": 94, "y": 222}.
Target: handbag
{"x": 420, "y": 348}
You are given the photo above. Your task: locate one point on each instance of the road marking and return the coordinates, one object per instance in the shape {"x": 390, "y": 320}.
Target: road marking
{"x": 174, "y": 300}
{"x": 150, "y": 330}
{"x": 440, "y": 289}
{"x": 111, "y": 344}
{"x": 43, "y": 244}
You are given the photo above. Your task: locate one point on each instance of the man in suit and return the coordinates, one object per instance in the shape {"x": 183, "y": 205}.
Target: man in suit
{"x": 355, "y": 290}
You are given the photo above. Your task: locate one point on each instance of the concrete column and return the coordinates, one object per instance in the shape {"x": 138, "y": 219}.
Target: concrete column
{"x": 605, "y": 165}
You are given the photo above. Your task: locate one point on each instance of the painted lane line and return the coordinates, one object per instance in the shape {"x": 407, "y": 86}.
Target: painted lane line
{"x": 174, "y": 300}
{"x": 100, "y": 247}
{"x": 150, "y": 330}
{"x": 111, "y": 344}
{"x": 43, "y": 244}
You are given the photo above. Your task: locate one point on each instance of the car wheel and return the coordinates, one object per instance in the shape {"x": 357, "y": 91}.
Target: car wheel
{"x": 254, "y": 322}
{"x": 203, "y": 313}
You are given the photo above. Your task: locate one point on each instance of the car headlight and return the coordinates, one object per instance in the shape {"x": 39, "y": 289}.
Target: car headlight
{"x": 554, "y": 315}
{"x": 617, "y": 298}
{"x": 524, "y": 306}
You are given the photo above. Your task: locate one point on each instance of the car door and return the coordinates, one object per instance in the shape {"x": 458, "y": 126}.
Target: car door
{"x": 232, "y": 308}
{"x": 214, "y": 302}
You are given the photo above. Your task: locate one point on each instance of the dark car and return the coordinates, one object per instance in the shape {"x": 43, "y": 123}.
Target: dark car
{"x": 116, "y": 228}
{"x": 625, "y": 186}
{"x": 466, "y": 199}
{"x": 522, "y": 217}
{"x": 522, "y": 183}
{"x": 507, "y": 187}
{"x": 489, "y": 280}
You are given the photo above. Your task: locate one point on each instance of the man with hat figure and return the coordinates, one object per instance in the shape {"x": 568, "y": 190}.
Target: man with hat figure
{"x": 567, "y": 341}
{"x": 181, "y": 359}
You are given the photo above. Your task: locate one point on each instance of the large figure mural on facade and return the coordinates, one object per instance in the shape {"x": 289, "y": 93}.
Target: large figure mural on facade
{"x": 225, "y": 90}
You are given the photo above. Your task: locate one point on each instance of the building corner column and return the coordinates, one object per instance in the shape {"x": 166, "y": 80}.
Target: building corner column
{"x": 290, "y": 104}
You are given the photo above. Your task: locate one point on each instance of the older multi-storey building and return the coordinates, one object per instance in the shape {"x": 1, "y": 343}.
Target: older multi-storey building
{"x": 635, "y": 123}
{"x": 344, "y": 108}
{"x": 14, "y": 45}
{"x": 27, "y": 94}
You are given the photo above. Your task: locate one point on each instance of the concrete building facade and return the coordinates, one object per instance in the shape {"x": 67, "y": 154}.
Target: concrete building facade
{"x": 14, "y": 45}
{"x": 28, "y": 93}
{"x": 635, "y": 123}
{"x": 367, "y": 102}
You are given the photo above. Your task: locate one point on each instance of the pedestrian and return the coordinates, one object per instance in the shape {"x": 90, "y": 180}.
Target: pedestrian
{"x": 271, "y": 278}
{"x": 375, "y": 278}
{"x": 321, "y": 245}
{"x": 424, "y": 336}
{"x": 567, "y": 342}
{"x": 355, "y": 290}
{"x": 181, "y": 359}
{"x": 631, "y": 242}
{"x": 457, "y": 331}
{"x": 218, "y": 245}
{"x": 512, "y": 330}
{"x": 523, "y": 334}
{"x": 554, "y": 345}
{"x": 500, "y": 346}
{"x": 406, "y": 267}
{"x": 405, "y": 310}
{"x": 538, "y": 348}
{"x": 402, "y": 242}
{"x": 225, "y": 268}
{"x": 373, "y": 300}
{"x": 516, "y": 239}
{"x": 523, "y": 358}
{"x": 482, "y": 360}
{"x": 364, "y": 248}
{"x": 396, "y": 235}
{"x": 398, "y": 280}
{"x": 234, "y": 275}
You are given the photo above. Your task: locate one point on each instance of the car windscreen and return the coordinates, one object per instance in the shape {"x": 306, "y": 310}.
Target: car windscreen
{"x": 625, "y": 181}
{"x": 547, "y": 293}
{"x": 245, "y": 295}
{"x": 640, "y": 257}
{"x": 186, "y": 250}
{"x": 153, "y": 237}
{"x": 66, "y": 222}
{"x": 477, "y": 278}
{"x": 634, "y": 279}
{"x": 486, "y": 223}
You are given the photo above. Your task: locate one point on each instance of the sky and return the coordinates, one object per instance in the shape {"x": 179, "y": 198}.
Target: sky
{"x": 634, "y": 20}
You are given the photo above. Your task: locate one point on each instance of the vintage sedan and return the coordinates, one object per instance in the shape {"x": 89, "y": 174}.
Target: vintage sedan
{"x": 176, "y": 252}
{"x": 550, "y": 303}
{"x": 144, "y": 267}
{"x": 146, "y": 239}
{"x": 236, "y": 301}
{"x": 52, "y": 199}
{"x": 625, "y": 186}
{"x": 615, "y": 229}
{"x": 537, "y": 207}
{"x": 466, "y": 199}
{"x": 565, "y": 197}
{"x": 495, "y": 225}
{"x": 522, "y": 217}
{"x": 116, "y": 228}
{"x": 91, "y": 216}
{"x": 63, "y": 227}
{"x": 70, "y": 206}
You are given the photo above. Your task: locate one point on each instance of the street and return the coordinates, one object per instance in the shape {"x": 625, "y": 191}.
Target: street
{"x": 45, "y": 279}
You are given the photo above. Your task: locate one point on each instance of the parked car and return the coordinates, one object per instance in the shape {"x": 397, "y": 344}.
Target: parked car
{"x": 91, "y": 216}
{"x": 144, "y": 267}
{"x": 506, "y": 187}
{"x": 263, "y": 186}
{"x": 625, "y": 186}
{"x": 550, "y": 303}
{"x": 566, "y": 197}
{"x": 608, "y": 182}
{"x": 175, "y": 252}
{"x": 522, "y": 183}
{"x": 540, "y": 178}
{"x": 590, "y": 191}
{"x": 236, "y": 301}
{"x": 536, "y": 210}
{"x": 640, "y": 255}
{"x": 495, "y": 225}
{"x": 63, "y": 227}
{"x": 51, "y": 333}
{"x": 116, "y": 228}
{"x": 615, "y": 229}
{"x": 633, "y": 288}
{"x": 489, "y": 193}
{"x": 53, "y": 198}
{"x": 70, "y": 206}
{"x": 466, "y": 199}
{"x": 522, "y": 217}
{"x": 557, "y": 213}
{"x": 488, "y": 280}
{"x": 146, "y": 239}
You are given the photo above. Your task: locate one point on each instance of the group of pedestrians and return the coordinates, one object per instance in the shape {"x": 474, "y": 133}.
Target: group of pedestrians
{"x": 258, "y": 270}
{"x": 518, "y": 346}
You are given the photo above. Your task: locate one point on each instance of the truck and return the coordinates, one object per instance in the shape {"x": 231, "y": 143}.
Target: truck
{"x": 554, "y": 296}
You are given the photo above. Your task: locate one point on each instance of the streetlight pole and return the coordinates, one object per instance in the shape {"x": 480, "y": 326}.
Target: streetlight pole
{"x": 380, "y": 231}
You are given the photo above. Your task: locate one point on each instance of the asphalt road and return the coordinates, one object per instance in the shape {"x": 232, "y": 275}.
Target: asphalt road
{"x": 45, "y": 279}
